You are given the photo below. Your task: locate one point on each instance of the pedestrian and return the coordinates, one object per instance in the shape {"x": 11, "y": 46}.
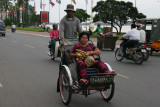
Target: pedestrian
{"x": 70, "y": 25}
{"x": 99, "y": 29}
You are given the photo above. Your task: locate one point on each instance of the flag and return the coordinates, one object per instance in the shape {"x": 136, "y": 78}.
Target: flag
{"x": 41, "y": 4}
{"x": 51, "y": 2}
{"x": 15, "y": 10}
{"x": 10, "y": 13}
{"x": 74, "y": 1}
{"x": 23, "y": 8}
{"x": 34, "y": 7}
{"x": 58, "y": 1}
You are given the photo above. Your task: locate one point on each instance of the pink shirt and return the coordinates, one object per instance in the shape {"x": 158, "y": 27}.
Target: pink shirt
{"x": 54, "y": 34}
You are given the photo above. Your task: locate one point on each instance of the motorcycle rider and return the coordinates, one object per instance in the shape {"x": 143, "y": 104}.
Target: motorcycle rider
{"x": 142, "y": 33}
{"x": 133, "y": 35}
{"x": 54, "y": 35}
{"x": 13, "y": 27}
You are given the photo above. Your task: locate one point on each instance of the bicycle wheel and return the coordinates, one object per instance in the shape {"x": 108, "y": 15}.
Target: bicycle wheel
{"x": 65, "y": 86}
{"x": 118, "y": 55}
{"x": 109, "y": 92}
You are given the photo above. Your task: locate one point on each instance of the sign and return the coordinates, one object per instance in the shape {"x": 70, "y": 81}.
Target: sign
{"x": 44, "y": 16}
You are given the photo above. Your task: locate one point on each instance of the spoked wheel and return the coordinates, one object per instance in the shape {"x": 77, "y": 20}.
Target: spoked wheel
{"x": 118, "y": 55}
{"x": 109, "y": 92}
{"x": 65, "y": 86}
{"x": 138, "y": 57}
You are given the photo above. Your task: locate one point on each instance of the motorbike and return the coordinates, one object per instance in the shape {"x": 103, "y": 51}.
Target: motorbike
{"x": 13, "y": 30}
{"x": 147, "y": 47}
{"x": 135, "y": 53}
{"x": 56, "y": 52}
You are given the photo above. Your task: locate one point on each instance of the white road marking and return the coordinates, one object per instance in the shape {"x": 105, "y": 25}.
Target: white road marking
{"x": 122, "y": 76}
{"x": 1, "y": 85}
{"x": 29, "y": 46}
{"x": 4, "y": 38}
{"x": 34, "y": 34}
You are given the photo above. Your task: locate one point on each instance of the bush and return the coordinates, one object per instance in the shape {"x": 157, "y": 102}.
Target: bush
{"x": 8, "y": 22}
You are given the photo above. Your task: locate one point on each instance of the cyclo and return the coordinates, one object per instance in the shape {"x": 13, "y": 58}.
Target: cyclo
{"x": 69, "y": 77}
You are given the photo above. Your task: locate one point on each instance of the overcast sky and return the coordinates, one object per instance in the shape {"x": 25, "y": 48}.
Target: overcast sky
{"x": 151, "y": 8}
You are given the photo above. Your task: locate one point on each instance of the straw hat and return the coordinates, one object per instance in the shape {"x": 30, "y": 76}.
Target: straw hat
{"x": 70, "y": 7}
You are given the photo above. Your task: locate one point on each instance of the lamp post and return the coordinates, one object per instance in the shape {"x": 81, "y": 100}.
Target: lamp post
{"x": 91, "y": 26}
{"x": 20, "y": 17}
{"x": 44, "y": 5}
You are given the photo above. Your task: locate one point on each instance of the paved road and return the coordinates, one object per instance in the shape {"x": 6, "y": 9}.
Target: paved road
{"x": 28, "y": 77}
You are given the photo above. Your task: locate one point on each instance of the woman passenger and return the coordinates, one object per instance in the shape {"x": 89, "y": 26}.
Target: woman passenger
{"x": 91, "y": 50}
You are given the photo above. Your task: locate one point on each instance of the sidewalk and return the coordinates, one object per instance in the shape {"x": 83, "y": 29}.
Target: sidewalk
{"x": 46, "y": 34}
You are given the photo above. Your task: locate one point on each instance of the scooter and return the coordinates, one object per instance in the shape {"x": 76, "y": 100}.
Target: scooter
{"x": 135, "y": 53}
{"x": 57, "y": 50}
{"x": 13, "y": 30}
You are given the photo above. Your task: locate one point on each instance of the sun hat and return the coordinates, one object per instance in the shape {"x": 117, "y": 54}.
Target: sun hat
{"x": 70, "y": 7}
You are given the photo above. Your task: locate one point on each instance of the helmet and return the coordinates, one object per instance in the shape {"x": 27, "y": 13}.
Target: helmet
{"x": 139, "y": 25}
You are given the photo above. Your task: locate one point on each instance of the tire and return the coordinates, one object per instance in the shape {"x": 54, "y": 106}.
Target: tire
{"x": 118, "y": 55}
{"x": 65, "y": 86}
{"x": 60, "y": 65}
{"x": 138, "y": 57}
{"x": 146, "y": 56}
{"x": 107, "y": 94}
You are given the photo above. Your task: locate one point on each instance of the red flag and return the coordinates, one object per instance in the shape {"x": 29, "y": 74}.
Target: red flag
{"x": 15, "y": 10}
{"x": 74, "y": 1}
{"x": 23, "y": 8}
{"x": 10, "y": 13}
{"x": 34, "y": 7}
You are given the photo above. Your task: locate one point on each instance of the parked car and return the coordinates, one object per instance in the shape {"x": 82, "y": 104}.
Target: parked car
{"x": 2, "y": 28}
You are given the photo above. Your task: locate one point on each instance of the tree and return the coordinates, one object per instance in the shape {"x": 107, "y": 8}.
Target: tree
{"x": 81, "y": 15}
{"x": 116, "y": 13}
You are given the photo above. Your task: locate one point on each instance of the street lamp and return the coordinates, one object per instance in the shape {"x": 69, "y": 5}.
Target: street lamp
{"x": 91, "y": 26}
{"x": 44, "y": 5}
{"x": 20, "y": 17}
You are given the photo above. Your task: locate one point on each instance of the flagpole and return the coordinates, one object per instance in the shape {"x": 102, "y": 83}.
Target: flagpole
{"x": 49, "y": 12}
{"x": 59, "y": 12}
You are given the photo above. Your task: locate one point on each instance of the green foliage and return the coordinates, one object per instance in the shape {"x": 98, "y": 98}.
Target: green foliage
{"x": 116, "y": 13}
{"x": 81, "y": 15}
{"x": 27, "y": 29}
{"x": 8, "y": 22}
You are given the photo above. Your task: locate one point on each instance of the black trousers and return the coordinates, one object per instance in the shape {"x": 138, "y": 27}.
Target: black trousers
{"x": 128, "y": 44}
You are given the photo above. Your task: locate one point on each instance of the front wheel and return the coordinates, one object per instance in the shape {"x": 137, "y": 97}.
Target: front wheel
{"x": 138, "y": 57}
{"x": 107, "y": 94}
{"x": 118, "y": 55}
{"x": 65, "y": 86}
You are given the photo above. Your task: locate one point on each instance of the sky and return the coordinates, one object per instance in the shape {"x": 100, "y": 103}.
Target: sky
{"x": 150, "y": 8}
